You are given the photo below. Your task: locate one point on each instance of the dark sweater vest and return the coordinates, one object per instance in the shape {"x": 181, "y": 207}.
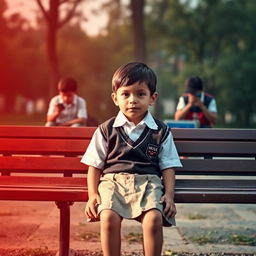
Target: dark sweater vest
{"x": 139, "y": 157}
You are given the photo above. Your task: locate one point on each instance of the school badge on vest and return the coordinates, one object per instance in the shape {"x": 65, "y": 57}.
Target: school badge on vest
{"x": 152, "y": 151}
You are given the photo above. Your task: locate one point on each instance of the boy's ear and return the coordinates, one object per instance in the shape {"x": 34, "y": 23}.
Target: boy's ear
{"x": 153, "y": 98}
{"x": 114, "y": 98}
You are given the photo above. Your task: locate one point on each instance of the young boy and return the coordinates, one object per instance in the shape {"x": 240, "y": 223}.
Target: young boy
{"x": 67, "y": 108}
{"x": 196, "y": 104}
{"x": 131, "y": 159}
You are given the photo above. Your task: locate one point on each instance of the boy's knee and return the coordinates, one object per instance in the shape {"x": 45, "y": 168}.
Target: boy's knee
{"x": 153, "y": 219}
{"x": 110, "y": 219}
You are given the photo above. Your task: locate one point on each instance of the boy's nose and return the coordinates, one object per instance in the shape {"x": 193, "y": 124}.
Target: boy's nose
{"x": 133, "y": 99}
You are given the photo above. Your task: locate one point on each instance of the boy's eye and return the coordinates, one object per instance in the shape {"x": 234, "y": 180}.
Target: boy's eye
{"x": 125, "y": 94}
{"x": 142, "y": 94}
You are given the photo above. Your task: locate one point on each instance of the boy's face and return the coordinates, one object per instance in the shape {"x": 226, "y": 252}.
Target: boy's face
{"x": 67, "y": 97}
{"x": 134, "y": 100}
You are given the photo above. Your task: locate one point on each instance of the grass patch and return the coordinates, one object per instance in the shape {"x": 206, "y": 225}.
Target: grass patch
{"x": 240, "y": 239}
{"x": 134, "y": 238}
{"x": 196, "y": 216}
{"x": 88, "y": 236}
{"x": 171, "y": 253}
{"x": 231, "y": 237}
{"x": 207, "y": 238}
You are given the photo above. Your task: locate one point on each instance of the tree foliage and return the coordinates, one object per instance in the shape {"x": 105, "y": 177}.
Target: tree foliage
{"x": 208, "y": 39}
{"x": 54, "y": 22}
{"x": 212, "y": 39}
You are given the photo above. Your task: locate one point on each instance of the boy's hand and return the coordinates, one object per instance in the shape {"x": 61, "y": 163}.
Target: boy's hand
{"x": 59, "y": 107}
{"x": 91, "y": 207}
{"x": 170, "y": 208}
{"x": 65, "y": 123}
{"x": 194, "y": 100}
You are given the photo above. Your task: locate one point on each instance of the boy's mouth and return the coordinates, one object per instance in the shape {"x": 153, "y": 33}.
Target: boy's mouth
{"x": 133, "y": 108}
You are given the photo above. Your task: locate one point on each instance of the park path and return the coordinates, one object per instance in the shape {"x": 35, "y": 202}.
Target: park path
{"x": 35, "y": 225}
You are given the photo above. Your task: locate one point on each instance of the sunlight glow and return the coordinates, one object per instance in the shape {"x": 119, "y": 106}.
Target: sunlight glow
{"x": 92, "y": 24}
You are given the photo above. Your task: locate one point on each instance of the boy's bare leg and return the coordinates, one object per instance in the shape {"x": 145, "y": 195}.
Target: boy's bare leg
{"x": 152, "y": 232}
{"x": 110, "y": 227}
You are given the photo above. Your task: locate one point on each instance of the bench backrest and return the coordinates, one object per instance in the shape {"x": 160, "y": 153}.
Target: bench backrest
{"x": 216, "y": 151}
{"x": 59, "y": 149}
{"x": 27, "y": 149}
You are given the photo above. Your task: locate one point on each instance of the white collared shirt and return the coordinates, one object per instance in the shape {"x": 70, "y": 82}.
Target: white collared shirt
{"x": 132, "y": 130}
{"x": 212, "y": 106}
{"x": 77, "y": 109}
{"x": 96, "y": 152}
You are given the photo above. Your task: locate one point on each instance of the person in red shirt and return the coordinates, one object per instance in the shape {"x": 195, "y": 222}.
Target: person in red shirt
{"x": 196, "y": 104}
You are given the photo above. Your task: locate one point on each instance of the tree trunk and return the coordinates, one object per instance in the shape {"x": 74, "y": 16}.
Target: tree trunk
{"x": 51, "y": 46}
{"x": 53, "y": 24}
{"x": 137, "y": 7}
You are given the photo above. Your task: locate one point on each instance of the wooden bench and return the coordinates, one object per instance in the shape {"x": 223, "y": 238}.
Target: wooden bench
{"x": 43, "y": 164}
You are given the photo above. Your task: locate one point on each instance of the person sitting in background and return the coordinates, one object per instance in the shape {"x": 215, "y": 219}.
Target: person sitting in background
{"x": 196, "y": 104}
{"x": 67, "y": 108}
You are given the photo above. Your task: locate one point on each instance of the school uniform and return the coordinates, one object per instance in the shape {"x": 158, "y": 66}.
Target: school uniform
{"x": 210, "y": 103}
{"x": 132, "y": 158}
{"x": 77, "y": 109}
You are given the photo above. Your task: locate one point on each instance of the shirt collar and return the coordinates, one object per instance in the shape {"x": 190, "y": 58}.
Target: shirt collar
{"x": 148, "y": 120}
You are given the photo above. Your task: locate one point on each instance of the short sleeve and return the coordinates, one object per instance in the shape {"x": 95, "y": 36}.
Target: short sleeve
{"x": 96, "y": 152}
{"x": 52, "y": 105}
{"x": 168, "y": 155}
{"x": 213, "y": 106}
{"x": 82, "y": 108}
{"x": 181, "y": 103}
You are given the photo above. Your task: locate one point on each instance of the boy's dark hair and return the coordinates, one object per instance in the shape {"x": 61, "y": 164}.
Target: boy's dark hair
{"x": 67, "y": 84}
{"x": 134, "y": 72}
{"x": 194, "y": 84}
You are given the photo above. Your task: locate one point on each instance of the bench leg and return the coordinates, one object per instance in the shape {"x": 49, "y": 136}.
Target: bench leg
{"x": 64, "y": 228}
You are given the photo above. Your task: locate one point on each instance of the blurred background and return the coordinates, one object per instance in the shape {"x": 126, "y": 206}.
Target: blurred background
{"x": 43, "y": 40}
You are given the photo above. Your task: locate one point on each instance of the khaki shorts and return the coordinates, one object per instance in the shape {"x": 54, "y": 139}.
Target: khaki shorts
{"x": 129, "y": 195}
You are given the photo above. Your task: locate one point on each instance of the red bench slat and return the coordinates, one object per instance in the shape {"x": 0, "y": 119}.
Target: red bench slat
{"x": 46, "y": 132}
{"x": 43, "y": 146}
{"x": 43, "y": 164}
